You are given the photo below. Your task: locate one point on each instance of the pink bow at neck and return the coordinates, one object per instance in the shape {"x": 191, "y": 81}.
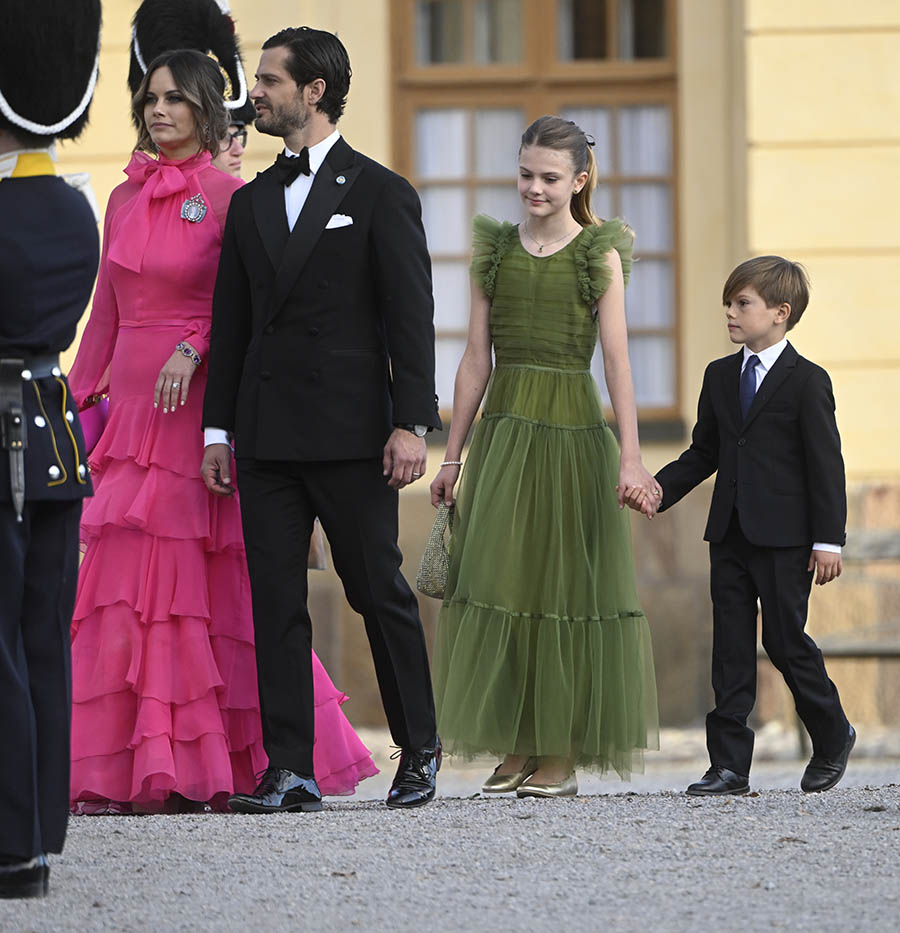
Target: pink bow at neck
{"x": 159, "y": 178}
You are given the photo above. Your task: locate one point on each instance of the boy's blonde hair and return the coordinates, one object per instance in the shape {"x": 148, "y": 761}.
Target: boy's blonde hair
{"x": 776, "y": 279}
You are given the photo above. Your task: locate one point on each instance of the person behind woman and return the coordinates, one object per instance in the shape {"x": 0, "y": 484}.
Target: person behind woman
{"x": 543, "y": 653}
{"x": 166, "y": 712}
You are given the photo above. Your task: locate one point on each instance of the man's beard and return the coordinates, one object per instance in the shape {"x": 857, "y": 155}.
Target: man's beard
{"x": 280, "y": 123}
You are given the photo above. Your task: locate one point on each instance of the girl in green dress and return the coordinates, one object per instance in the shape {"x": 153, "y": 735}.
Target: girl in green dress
{"x": 543, "y": 654}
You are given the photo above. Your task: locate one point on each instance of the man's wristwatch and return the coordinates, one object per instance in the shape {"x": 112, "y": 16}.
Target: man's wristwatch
{"x": 420, "y": 430}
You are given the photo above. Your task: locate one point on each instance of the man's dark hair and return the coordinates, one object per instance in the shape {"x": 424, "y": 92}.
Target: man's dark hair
{"x": 314, "y": 53}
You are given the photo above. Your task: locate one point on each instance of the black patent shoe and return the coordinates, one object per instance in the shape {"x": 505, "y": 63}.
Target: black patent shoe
{"x": 719, "y": 781}
{"x": 416, "y": 777}
{"x": 30, "y": 878}
{"x": 279, "y": 791}
{"x": 823, "y": 773}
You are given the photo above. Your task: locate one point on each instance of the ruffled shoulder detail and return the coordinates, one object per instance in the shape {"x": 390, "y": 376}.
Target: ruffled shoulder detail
{"x": 594, "y": 274}
{"x": 490, "y": 241}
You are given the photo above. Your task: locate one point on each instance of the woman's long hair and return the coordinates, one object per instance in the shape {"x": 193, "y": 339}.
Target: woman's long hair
{"x": 565, "y": 136}
{"x": 200, "y": 81}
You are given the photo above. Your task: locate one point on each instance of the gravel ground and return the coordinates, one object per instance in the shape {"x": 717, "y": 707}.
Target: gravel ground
{"x": 649, "y": 859}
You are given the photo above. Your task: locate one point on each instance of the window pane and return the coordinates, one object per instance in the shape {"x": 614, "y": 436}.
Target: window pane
{"x": 441, "y": 144}
{"x": 446, "y": 219}
{"x": 498, "y": 31}
{"x": 602, "y": 202}
{"x": 581, "y": 29}
{"x": 650, "y": 297}
{"x": 497, "y": 137}
{"x": 648, "y": 209}
{"x": 501, "y": 203}
{"x": 642, "y": 29}
{"x": 451, "y": 295}
{"x": 439, "y": 31}
{"x": 448, "y": 352}
{"x": 653, "y": 369}
{"x": 645, "y": 141}
{"x": 595, "y": 121}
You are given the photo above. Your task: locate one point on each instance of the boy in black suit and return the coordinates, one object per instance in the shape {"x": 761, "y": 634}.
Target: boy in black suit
{"x": 766, "y": 427}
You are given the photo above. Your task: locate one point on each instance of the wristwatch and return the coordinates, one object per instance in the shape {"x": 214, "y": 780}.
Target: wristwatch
{"x": 420, "y": 430}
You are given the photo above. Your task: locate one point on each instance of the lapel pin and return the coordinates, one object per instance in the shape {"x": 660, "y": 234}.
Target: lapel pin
{"x": 340, "y": 179}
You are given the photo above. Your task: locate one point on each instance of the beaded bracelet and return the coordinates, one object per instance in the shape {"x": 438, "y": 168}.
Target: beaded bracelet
{"x": 190, "y": 353}
{"x": 452, "y": 463}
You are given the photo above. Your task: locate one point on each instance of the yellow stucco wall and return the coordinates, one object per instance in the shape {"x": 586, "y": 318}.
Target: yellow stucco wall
{"x": 823, "y": 159}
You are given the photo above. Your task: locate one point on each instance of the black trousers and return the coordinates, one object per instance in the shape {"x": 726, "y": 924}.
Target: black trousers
{"x": 741, "y": 573}
{"x": 358, "y": 511}
{"x": 38, "y": 579}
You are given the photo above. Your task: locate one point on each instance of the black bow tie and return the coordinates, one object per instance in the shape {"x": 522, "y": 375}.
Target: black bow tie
{"x": 289, "y": 167}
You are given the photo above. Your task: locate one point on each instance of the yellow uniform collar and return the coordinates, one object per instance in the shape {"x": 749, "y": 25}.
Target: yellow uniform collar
{"x": 26, "y": 164}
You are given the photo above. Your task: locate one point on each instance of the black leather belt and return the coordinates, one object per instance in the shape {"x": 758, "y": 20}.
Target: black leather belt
{"x": 39, "y": 367}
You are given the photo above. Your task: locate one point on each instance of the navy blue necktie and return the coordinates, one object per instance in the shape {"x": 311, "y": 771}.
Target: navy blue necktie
{"x": 748, "y": 384}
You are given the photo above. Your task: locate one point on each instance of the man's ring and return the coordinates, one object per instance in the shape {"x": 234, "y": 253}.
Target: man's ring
{"x": 416, "y": 474}
{"x": 175, "y": 385}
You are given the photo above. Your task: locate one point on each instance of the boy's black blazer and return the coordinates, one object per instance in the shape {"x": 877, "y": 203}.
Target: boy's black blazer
{"x": 322, "y": 339}
{"x": 782, "y": 467}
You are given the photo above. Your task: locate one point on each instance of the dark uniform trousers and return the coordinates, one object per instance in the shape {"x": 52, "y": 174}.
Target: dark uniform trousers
{"x": 38, "y": 578}
{"x": 358, "y": 511}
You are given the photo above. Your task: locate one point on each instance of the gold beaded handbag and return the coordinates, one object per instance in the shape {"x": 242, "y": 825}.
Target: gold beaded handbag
{"x": 431, "y": 579}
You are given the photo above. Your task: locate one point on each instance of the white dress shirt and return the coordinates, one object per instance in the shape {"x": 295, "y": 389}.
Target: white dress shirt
{"x": 295, "y": 195}
{"x": 767, "y": 360}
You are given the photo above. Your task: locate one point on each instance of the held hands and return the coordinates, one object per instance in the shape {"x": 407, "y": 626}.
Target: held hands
{"x": 404, "y": 458}
{"x": 442, "y": 485}
{"x": 828, "y": 566}
{"x": 173, "y": 382}
{"x": 216, "y": 469}
{"x": 638, "y": 489}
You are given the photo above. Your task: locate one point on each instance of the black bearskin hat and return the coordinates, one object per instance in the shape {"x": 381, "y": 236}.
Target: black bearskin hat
{"x": 49, "y": 60}
{"x": 204, "y": 25}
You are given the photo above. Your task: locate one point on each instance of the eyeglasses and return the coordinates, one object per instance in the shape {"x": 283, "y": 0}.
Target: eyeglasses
{"x": 231, "y": 137}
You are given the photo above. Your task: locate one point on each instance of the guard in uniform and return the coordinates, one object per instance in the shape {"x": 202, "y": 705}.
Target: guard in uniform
{"x": 48, "y": 261}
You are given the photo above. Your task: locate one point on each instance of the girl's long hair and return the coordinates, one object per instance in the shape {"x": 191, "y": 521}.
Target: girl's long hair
{"x": 565, "y": 136}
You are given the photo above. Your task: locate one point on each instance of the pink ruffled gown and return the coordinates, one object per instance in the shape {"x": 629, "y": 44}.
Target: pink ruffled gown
{"x": 163, "y": 667}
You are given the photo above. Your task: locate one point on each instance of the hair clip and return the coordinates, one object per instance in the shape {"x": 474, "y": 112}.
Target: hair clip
{"x": 589, "y": 140}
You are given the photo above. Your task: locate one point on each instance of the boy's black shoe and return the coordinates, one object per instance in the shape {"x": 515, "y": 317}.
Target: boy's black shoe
{"x": 416, "y": 778}
{"x": 823, "y": 773}
{"x": 719, "y": 781}
{"x": 29, "y": 878}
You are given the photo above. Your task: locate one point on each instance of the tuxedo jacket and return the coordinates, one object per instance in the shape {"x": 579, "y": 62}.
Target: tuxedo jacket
{"x": 49, "y": 251}
{"x": 781, "y": 468}
{"x": 322, "y": 337}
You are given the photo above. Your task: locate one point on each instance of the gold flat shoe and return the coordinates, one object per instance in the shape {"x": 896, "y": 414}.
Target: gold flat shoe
{"x": 565, "y": 788}
{"x": 503, "y": 783}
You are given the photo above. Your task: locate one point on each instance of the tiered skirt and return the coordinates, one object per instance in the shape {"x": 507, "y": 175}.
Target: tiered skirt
{"x": 165, "y": 696}
{"x": 542, "y": 646}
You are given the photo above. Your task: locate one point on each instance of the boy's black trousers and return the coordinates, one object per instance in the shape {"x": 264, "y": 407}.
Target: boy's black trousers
{"x": 741, "y": 573}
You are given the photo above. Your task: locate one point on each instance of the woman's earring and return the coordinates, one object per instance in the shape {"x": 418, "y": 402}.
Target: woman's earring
{"x": 206, "y": 131}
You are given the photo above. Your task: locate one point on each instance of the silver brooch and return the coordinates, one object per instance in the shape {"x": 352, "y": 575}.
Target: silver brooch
{"x": 194, "y": 209}
{"x": 340, "y": 179}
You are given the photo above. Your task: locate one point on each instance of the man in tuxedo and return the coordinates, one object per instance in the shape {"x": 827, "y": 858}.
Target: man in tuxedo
{"x": 766, "y": 427}
{"x": 322, "y": 367}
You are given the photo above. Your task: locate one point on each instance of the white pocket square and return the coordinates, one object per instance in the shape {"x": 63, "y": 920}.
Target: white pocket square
{"x": 338, "y": 220}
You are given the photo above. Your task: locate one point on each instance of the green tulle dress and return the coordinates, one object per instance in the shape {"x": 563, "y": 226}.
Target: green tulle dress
{"x": 542, "y": 647}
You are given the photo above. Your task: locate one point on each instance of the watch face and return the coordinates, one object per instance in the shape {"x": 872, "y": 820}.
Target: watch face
{"x": 420, "y": 430}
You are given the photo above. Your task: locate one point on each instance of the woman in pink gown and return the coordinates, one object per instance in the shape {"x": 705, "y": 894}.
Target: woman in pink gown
{"x": 165, "y": 705}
